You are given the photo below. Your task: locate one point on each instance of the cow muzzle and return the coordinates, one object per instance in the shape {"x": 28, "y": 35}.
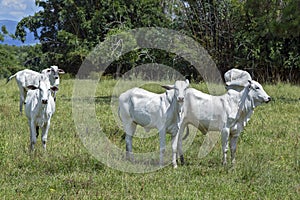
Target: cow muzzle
{"x": 180, "y": 99}
{"x": 268, "y": 99}
{"x": 44, "y": 101}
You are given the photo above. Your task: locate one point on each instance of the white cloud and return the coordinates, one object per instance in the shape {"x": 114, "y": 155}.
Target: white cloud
{"x": 17, "y": 9}
{"x": 17, "y": 14}
{"x": 14, "y": 4}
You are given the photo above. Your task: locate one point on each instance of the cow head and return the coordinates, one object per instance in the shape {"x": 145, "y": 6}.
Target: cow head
{"x": 44, "y": 88}
{"x": 179, "y": 89}
{"x": 257, "y": 93}
{"x": 53, "y": 73}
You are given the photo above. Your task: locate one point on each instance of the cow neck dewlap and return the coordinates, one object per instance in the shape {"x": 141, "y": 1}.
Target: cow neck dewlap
{"x": 42, "y": 114}
{"x": 246, "y": 104}
{"x": 173, "y": 107}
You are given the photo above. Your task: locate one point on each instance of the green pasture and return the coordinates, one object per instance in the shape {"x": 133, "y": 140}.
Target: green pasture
{"x": 268, "y": 155}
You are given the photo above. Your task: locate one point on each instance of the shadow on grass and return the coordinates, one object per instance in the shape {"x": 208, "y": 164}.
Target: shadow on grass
{"x": 98, "y": 99}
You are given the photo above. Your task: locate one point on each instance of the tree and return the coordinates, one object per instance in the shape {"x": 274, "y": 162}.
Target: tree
{"x": 69, "y": 29}
{"x": 2, "y": 33}
{"x": 210, "y": 23}
{"x": 267, "y": 37}
{"x": 9, "y": 62}
{"x": 259, "y": 36}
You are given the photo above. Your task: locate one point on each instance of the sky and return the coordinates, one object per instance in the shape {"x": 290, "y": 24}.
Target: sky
{"x": 17, "y": 9}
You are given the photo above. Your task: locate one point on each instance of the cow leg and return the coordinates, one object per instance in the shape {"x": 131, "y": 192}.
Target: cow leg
{"x": 175, "y": 148}
{"x": 130, "y": 130}
{"x": 180, "y": 151}
{"x": 225, "y": 137}
{"x": 233, "y": 145}
{"x": 32, "y": 135}
{"x": 22, "y": 99}
{"x": 162, "y": 146}
{"x": 45, "y": 134}
{"x": 54, "y": 95}
{"x": 37, "y": 131}
{"x": 128, "y": 140}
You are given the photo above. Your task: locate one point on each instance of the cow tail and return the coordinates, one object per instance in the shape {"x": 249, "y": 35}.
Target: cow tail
{"x": 187, "y": 132}
{"x": 9, "y": 78}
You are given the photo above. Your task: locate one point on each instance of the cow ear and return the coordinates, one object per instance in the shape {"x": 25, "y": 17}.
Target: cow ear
{"x": 32, "y": 87}
{"x": 60, "y": 71}
{"x": 168, "y": 87}
{"x": 187, "y": 81}
{"x": 54, "y": 88}
{"x": 250, "y": 82}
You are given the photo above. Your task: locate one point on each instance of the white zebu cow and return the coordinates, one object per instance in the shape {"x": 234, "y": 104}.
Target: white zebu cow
{"x": 228, "y": 113}
{"x": 150, "y": 110}
{"x": 24, "y": 78}
{"x": 39, "y": 108}
{"x": 29, "y": 77}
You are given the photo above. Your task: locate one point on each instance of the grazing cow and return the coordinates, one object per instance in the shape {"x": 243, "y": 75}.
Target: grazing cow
{"x": 39, "y": 108}
{"x": 29, "y": 77}
{"x": 150, "y": 110}
{"x": 228, "y": 113}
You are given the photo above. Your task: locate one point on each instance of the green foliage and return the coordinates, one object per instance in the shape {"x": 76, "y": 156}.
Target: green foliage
{"x": 9, "y": 62}
{"x": 260, "y": 36}
{"x": 4, "y": 32}
{"x": 13, "y": 59}
{"x": 268, "y": 39}
{"x": 70, "y": 29}
{"x": 267, "y": 165}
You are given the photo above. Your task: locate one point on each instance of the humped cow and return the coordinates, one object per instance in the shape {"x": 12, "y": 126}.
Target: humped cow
{"x": 228, "y": 113}
{"x": 39, "y": 108}
{"x": 29, "y": 77}
{"x": 149, "y": 110}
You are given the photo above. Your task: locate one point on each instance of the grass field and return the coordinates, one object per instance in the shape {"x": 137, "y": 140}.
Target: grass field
{"x": 268, "y": 156}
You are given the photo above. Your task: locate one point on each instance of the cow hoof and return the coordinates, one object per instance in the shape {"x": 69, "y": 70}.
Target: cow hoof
{"x": 182, "y": 160}
{"x": 233, "y": 161}
{"x": 175, "y": 166}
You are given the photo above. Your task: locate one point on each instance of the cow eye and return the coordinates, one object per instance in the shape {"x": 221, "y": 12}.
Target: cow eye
{"x": 257, "y": 88}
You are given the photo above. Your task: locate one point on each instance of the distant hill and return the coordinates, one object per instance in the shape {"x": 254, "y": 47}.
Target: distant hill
{"x": 11, "y": 28}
